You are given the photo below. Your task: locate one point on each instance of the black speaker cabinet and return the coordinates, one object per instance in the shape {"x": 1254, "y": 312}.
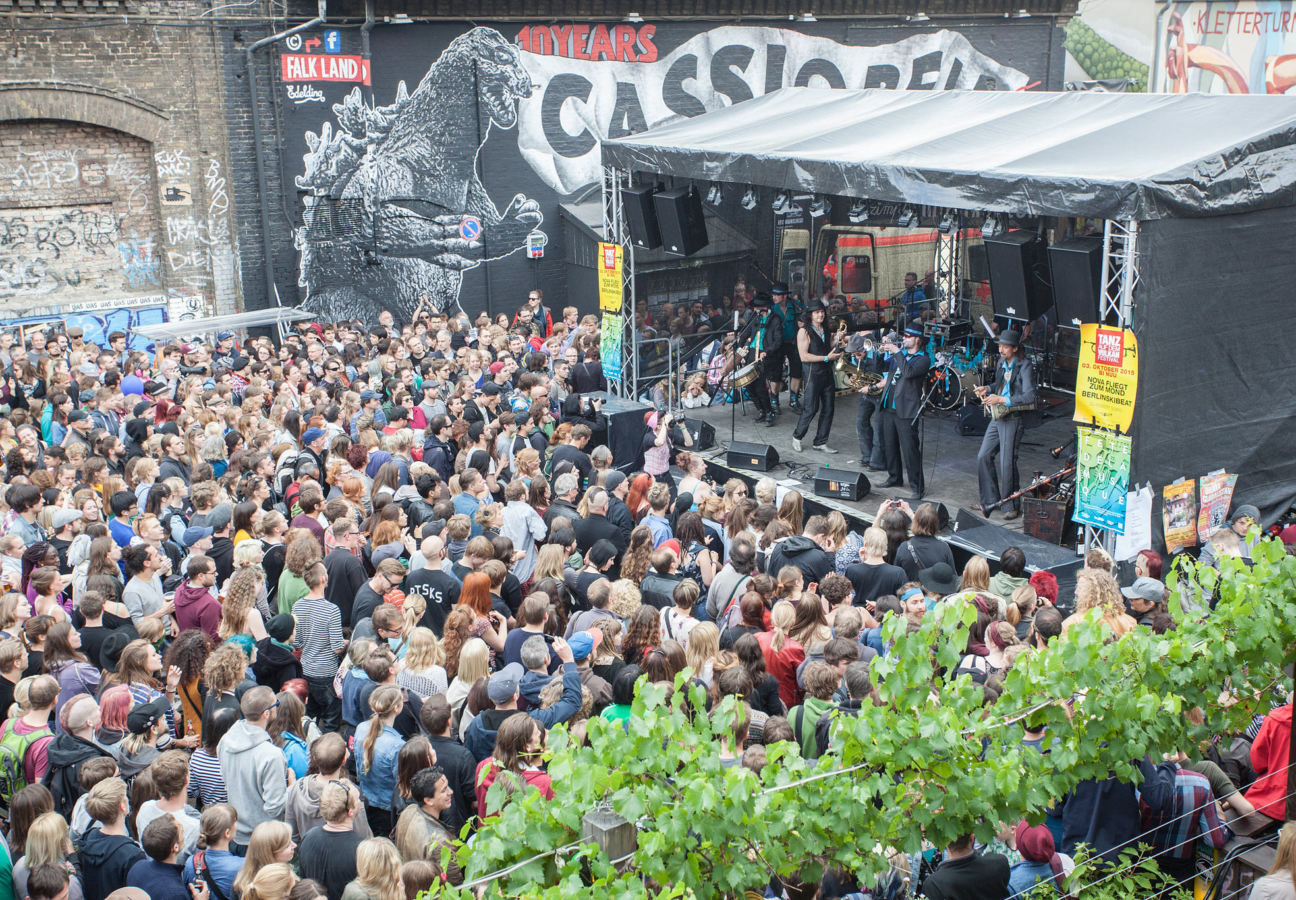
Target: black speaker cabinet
{"x": 641, "y": 217}
{"x": 1076, "y": 265}
{"x": 744, "y": 455}
{"x": 841, "y": 484}
{"x": 703, "y": 434}
{"x": 1019, "y": 275}
{"x": 680, "y": 221}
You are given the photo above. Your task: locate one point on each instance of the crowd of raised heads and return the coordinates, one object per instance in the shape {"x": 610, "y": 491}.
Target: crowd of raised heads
{"x": 278, "y": 615}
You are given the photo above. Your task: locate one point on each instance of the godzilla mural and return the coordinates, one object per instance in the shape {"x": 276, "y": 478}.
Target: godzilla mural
{"x": 395, "y": 209}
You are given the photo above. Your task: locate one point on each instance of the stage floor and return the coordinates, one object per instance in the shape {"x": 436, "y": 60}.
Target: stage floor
{"x": 949, "y": 459}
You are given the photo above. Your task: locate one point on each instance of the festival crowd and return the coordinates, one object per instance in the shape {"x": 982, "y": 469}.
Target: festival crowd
{"x": 277, "y": 615}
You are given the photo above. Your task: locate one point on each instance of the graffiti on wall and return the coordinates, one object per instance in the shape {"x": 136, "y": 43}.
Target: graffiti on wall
{"x": 1226, "y": 46}
{"x": 99, "y": 324}
{"x": 409, "y": 160}
{"x": 50, "y": 250}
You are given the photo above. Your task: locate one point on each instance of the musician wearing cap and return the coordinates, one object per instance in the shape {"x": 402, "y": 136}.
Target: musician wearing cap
{"x": 1013, "y": 392}
{"x": 783, "y": 325}
{"x": 753, "y": 358}
{"x": 815, "y": 347}
{"x": 902, "y": 402}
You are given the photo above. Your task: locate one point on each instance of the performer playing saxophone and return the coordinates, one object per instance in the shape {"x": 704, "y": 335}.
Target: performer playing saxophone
{"x": 1014, "y": 391}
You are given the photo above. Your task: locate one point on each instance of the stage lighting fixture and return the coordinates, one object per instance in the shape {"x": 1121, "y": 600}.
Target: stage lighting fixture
{"x": 633, "y": 18}
{"x": 806, "y": 17}
{"x": 715, "y": 196}
{"x": 858, "y": 213}
{"x": 946, "y": 223}
{"x": 907, "y": 219}
{"x": 782, "y": 203}
{"x": 750, "y": 199}
{"x": 818, "y": 207}
{"x": 992, "y": 227}
{"x": 1020, "y": 14}
{"x": 918, "y": 17}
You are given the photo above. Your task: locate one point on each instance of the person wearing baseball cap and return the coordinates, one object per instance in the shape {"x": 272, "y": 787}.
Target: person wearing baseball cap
{"x": 504, "y": 690}
{"x": 583, "y": 645}
{"x": 1013, "y": 392}
{"x": 1144, "y": 599}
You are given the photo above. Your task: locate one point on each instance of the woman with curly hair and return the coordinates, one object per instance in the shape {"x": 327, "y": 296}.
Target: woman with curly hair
{"x": 624, "y": 600}
{"x": 239, "y": 614}
{"x": 637, "y": 558}
{"x": 188, "y": 653}
{"x": 303, "y": 549}
{"x": 1096, "y": 589}
{"x": 225, "y": 669}
{"x": 643, "y": 632}
{"x": 455, "y": 633}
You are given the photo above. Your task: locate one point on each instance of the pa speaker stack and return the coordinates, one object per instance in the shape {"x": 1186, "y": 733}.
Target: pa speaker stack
{"x": 841, "y": 484}
{"x": 746, "y": 455}
{"x": 1019, "y": 275}
{"x": 680, "y": 221}
{"x": 1076, "y": 265}
{"x": 641, "y": 217}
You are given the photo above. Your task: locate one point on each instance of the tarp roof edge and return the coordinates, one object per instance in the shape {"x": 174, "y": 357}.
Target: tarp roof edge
{"x": 1213, "y": 154}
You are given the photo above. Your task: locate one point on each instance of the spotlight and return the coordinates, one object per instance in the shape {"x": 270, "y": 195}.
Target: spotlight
{"x": 907, "y": 219}
{"x": 858, "y": 213}
{"x": 992, "y": 227}
{"x": 715, "y": 196}
{"x": 782, "y": 203}
{"x": 806, "y": 17}
{"x": 1020, "y": 14}
{"x": 946, "y": 223}
{"x": 818, "y": 207}
{"x": 633, "y": 18}
{"x": 918, "y": 17}
{"x": 750, "y": 199}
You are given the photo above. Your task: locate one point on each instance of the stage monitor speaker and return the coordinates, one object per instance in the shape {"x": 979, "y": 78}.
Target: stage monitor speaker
{"x": 680, "y": 221}
{"x": 1076, "y": 267}
{"x": 1019, "y": 275}
{"x": 746, "y": 455}
{"x": 841, "y": 484}
{"x": 641, "y": 217}
{"x": 703, "y": 434}
{"x": 626, "y": 429}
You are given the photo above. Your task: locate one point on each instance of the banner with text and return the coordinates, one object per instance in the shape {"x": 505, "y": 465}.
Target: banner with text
{"x": 610, "y": 346}
{"x": 1102, "y": 479}
{"x": 1226, "y": 47}
{"x": 1107, "y": 377}
{"x": 1179, "y": 515}
{"x": 611, "y": 285}
{"x": 1216, "y": 495}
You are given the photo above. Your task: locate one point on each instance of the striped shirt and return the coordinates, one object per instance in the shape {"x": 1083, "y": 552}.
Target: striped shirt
{"x": 205, "y": 781}
{"x": 319, "y": 635}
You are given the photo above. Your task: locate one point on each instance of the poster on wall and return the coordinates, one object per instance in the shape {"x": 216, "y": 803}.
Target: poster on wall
{"x": 611, "y": 287}
{"x": 1102, "y": 479}
{"x": 442, "y": 177}
{"x": 1107, "y": 377}
{"x": 1216, "y": 492}
{"x": 1225, "y": 47}
{"x": 610, "y": 345}
{"x": 1179, "y": 514}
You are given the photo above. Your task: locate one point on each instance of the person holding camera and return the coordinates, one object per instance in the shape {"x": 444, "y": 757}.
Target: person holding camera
{"x": 657, "y": 446}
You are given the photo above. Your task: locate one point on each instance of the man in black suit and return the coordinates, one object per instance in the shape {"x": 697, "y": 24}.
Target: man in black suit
{"x": 902, "y": 401}
{"x": 618, "y": 487}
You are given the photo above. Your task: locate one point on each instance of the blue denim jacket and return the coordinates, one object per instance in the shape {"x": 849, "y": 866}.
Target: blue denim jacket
{"x": 378, "y": 781}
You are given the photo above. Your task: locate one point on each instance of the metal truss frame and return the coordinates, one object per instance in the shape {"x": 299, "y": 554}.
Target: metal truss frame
{"x": 616, "y": 230}
{"x": 1116, "y": 304}
{"x": 949, "y": 266}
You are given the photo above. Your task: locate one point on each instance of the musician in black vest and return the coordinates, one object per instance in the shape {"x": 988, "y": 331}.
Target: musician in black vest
{"x": 1014, "y": 392}
{"x": 902, "y": 402}
{"x": 815, "y": 348}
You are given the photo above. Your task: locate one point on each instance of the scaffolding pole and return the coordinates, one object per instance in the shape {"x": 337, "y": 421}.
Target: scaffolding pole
{"x": 617, "y": 231}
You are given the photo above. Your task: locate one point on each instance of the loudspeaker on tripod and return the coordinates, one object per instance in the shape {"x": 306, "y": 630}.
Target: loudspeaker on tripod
{"x": 746, "y": 455}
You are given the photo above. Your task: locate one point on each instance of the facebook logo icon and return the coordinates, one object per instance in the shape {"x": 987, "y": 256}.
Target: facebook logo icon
{"x": 332, "y": 41}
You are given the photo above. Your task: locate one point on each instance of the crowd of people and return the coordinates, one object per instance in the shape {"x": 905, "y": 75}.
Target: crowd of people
{"x": 293, "y": 619}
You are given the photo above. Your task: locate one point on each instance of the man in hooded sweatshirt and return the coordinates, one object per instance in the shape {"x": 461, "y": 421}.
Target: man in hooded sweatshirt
{"x": 71, "y": 748}
{"x": 275, "y": 662}
{"x": 195, "y": 604}
{"x": 253, "y": 768}
{"x": 811, "y": 552}
{"x": 107, "y": 852}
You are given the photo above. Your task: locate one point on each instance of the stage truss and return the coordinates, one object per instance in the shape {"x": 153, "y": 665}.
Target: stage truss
{"x": 949, "y": 266}
{"x": 617, "y": 231}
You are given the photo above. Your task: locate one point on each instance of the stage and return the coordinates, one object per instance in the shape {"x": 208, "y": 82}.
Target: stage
{"x": 949, "y": 459}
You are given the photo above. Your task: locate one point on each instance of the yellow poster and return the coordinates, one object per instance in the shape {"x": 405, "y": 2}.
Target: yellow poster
{"x": 610, "y": 285}
{"x": 1107, "y": 379}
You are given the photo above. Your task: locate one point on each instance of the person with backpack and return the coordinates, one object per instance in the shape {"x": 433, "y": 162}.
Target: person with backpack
{"x": 213, "y": 864}
{"x": 71, "y": 748}
{"x": 107, "y": 852}
{"x": 25, "y": 740}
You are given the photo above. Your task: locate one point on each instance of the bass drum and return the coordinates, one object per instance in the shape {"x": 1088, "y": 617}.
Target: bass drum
{"x": 747, "y": 375}
{"x": 944, "y": 388}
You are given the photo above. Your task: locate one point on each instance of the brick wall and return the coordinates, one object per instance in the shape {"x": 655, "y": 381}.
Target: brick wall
{"x": 134, "y": 115}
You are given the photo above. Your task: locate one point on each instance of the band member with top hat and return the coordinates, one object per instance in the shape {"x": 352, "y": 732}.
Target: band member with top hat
{"x": 902, "y": 402}
{"x": 815, "y": 347}
{"x": 783, "y": 318}
{"x": 1013, "y": 392}
{"x": 756, "y": 352}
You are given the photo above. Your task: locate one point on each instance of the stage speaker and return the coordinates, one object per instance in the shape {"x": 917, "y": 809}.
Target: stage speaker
{"x": 680, "y": 221}
{"x": 641, "y": 217}
{"x": 972, "y": 420}
{"x": 745, "y": 455}
{"x": 703, "y": 434}
{"x": 1076, "y": 267}
{"x": 841, "y": 484}
{"x": 626, "y": 429}
{"x": 1019, "y": 275}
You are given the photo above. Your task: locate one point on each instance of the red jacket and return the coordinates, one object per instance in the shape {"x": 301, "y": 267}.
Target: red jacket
{"x": 1269, "y": 755}
{"x": 487, "y": 772}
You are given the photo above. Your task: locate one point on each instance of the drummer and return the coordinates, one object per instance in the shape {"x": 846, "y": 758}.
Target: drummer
{"x": 753, "y": 355}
